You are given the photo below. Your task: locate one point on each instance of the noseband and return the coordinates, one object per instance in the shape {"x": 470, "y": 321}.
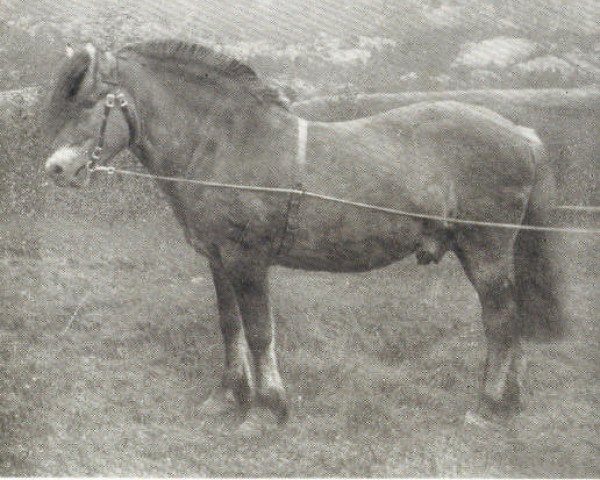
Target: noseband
{"x": 109, "y": 104}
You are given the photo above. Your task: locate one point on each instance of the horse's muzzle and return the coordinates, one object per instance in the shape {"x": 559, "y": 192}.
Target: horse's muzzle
{"x": 66, "y": 167}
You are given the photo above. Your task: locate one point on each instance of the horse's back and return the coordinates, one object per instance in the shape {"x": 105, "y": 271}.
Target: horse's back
{"x": 451, "y": 119}
{"x": 410, "y": 156}
{"x": 484, "y": 155}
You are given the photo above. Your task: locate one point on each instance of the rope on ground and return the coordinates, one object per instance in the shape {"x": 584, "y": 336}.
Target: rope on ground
{"x": 366, "y": 206}
{"x": 578, "y": 208}
{"x": 72, "y": 319}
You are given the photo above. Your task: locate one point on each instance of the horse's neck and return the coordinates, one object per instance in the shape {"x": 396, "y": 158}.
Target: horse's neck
{"x": 179, "y": 127}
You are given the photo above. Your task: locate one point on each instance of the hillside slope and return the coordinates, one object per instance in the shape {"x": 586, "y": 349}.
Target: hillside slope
{"x": 325, "y": 47}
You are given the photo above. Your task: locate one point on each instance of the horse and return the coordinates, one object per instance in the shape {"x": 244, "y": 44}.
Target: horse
{"x": 192, "y": 113}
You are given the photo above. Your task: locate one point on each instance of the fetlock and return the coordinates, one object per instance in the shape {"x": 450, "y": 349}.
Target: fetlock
{"x": 240, "y": 388}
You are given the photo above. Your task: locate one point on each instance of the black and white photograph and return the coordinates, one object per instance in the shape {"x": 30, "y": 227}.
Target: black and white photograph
{"x": 299, "y": 238}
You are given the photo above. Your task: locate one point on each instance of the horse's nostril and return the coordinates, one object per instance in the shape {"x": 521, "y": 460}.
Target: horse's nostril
{"x": 56, "y": 169}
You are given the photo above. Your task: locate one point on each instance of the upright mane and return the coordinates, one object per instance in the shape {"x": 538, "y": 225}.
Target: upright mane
{"x": 193, "y": 54}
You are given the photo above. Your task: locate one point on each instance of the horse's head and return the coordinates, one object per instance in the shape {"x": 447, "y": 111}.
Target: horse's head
{"x": 78, "y": 119}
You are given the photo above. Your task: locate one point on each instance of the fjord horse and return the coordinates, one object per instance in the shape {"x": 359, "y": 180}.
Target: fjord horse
{"x": 191, "y": 113}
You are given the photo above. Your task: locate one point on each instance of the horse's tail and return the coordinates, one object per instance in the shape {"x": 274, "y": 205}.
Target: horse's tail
{"x": 538, "y": 285}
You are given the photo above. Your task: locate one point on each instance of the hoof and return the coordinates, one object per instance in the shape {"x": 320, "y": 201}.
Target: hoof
{"x": 256, "y": 425}
{"x": 219, "y": 402}
{"x": 481, "y": 422}
{"x": 485, "y": 428}
{"x": 503, "y": 409}
{"x": 276, "y": 402}
{"x": 492, "y": 415}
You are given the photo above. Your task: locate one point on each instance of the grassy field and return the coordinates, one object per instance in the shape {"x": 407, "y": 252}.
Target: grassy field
{"x": 109, "y": 343}
{"x": 109, "y": 340}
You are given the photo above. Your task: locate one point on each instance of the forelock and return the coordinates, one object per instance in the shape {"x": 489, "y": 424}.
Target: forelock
{"x": 60, "y": 104}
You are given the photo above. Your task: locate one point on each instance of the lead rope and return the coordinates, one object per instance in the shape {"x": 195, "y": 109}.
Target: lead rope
{"x": 328, "y": 198}
{"x": 578, "y": 208}
{"x": 299, "y": 192}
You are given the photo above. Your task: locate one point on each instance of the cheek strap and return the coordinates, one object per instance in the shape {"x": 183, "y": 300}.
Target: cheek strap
{"x": 109, "y": 103}
{"x": 130, "y": 119}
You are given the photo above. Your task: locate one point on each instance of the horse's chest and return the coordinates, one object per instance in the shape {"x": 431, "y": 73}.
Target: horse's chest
{"x": 249, "y": 224}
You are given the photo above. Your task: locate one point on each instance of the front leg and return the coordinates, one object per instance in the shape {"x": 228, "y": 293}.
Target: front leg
{"x": 237, "y": 378}
{"x": 251, "y": 285}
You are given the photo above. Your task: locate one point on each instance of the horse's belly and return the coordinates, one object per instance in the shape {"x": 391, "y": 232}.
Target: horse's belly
{"x": 360, "y": 245}
{"x": 342, "y": 259}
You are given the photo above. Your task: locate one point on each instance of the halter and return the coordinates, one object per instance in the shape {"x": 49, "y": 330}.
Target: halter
{"x": 109, "y": 104}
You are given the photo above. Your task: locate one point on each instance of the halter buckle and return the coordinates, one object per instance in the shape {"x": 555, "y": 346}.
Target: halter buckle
{"x": 96, "y": 154}
{"x": 110, "y": 100}
{"x": 122, "y": 100}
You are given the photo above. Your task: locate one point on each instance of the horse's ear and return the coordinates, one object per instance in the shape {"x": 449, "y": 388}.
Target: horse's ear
{"x": 87, "y": 79}
{"x": 79, "y": 72}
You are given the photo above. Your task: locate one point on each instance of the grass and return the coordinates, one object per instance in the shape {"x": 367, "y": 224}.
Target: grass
{"x": 380, "y": 367}
{"x": 109, "y": 341}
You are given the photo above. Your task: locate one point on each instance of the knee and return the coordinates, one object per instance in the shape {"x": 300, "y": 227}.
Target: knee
{"x": 497, "y": 293}
{"x": 499, "y": 309}
{"x": 230, "y": 328}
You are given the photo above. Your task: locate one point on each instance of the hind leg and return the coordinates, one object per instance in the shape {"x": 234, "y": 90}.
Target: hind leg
{"x": 487, "y": 259}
